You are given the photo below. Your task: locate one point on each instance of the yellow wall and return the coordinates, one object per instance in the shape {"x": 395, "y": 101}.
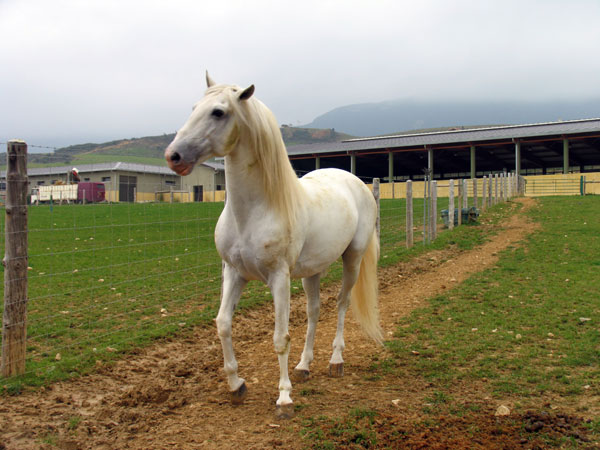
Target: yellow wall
{"x": 537, "y": 185}
{"x": 592, "y": 188}
{"x": 561, "y": 184}
{"x": 214, "y": 196}
{"x": 184, "y": 197}
{"x": 398, "y": 189}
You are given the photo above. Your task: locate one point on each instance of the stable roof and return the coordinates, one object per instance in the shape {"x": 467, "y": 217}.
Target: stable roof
{"x": 542, "y": 147}
{"x": 443, "y": 138}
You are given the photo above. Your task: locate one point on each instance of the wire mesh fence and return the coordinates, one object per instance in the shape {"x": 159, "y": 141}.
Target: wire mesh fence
{"x": 105, "y": 277}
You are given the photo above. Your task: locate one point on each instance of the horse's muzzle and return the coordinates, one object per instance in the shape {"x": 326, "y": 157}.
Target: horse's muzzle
{"x": 176, "y": 162}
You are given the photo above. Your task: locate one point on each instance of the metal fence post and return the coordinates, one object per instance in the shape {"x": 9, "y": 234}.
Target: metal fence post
{"x": 14, "y": 323}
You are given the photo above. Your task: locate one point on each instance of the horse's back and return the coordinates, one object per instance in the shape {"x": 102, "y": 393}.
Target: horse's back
{"x": 335, "y": 185}
{"x": 340, "y": 212}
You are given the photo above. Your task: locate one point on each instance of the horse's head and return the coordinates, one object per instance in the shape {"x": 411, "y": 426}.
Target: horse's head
{"x": 211, "y": 130}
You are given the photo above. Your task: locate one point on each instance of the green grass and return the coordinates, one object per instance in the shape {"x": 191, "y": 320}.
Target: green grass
{"x": 108, "y": 278}
{"x": 519, "y": 324}
{"x": 97, "y": 158}
{"x": 351, "y": 431}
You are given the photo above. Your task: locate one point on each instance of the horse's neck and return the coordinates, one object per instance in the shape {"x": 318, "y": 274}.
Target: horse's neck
{"x": 245, "y": 192}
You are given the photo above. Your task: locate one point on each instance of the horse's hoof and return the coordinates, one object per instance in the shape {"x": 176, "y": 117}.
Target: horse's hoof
{"x": 336, "y": 370}
{"x": 238, "y": 396}
{"x": 300, "y": 375}
{"x": 284, "y": 412}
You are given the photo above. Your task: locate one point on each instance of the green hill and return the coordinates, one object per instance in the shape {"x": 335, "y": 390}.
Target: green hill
{"x": 150, "y": 149}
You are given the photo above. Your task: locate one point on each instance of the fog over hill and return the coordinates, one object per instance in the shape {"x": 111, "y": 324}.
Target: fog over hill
{"x": 371, "y": 119}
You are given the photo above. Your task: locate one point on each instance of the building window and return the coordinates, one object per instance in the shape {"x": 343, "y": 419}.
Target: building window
{"x": 169, "y": 183}
{"x": 105, "y": 178}
{"x": 86, "y": 179}
{"x": 219, "y": 187}
{"x": 39, "y": 183}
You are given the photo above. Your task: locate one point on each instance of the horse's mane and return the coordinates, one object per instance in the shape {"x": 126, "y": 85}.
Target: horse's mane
{"x": 258, "y": 128}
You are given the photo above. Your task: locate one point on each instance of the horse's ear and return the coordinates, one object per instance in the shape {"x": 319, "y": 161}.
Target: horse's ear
{"x": 246, "y": 93}
{"x": 209, "y": 80}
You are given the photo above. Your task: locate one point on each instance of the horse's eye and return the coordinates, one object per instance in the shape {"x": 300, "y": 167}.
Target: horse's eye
{"x": 218, "y": 113}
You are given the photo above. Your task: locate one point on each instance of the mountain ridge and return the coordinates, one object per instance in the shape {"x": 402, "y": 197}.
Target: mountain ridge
{"x": 379, "y": 118}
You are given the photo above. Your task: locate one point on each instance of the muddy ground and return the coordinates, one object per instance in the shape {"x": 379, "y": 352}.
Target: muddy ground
{"x": 174, "y": 395}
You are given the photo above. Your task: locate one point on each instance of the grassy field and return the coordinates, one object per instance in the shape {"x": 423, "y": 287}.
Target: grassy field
{"x": 525, "y": 332}
{"x": 536, "y": 313}
{"x": 106, "y": 278}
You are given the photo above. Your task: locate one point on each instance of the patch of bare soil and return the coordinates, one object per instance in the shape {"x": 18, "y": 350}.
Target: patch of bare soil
{"x": 174, "y": 395}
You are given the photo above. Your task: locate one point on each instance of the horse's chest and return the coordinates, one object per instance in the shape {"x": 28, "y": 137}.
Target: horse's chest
{"x": 254, "y": 255}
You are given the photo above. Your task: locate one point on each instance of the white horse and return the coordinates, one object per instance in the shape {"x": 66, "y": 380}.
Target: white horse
{"x": 275, "y": 227}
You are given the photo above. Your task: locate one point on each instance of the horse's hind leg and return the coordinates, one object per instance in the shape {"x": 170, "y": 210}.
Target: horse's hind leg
{"x": 313, "y": 304}
{"x": 233, "y": 284}
{"x": 351, "y": 261}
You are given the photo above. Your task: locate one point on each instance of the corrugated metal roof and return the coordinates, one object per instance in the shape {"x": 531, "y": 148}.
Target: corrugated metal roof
{"x": 502, "y": 133}
{"x": 110, "y": 167}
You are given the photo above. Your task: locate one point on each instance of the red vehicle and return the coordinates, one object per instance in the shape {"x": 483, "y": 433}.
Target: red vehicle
{"x": 91, "y": 192}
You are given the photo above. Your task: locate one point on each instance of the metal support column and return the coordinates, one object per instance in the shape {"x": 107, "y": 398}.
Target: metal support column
{"x": 518, "y": 158}
{"x": 353, "y": 163}
{"x": 430, "y": 162}
{"x": 565, "y": 156}
{"x": 317, "y": 162}
{"x": 390, "y": 167}
{"x": 473, "y": 168}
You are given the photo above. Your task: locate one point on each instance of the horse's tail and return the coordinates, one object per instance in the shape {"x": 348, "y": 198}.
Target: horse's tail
{"x": 364, "y": 293}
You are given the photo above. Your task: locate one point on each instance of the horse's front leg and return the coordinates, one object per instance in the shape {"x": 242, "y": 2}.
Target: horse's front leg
{"x": 233, "y": 284}
{"x": 279, "y": 283}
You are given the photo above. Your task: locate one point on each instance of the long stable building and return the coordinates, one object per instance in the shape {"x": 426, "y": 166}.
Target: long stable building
{"x": 537, "y": 149}
{"x": 128, "y": 182}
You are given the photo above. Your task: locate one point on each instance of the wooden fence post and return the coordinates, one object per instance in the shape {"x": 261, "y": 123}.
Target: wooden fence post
{"x": 425, "y": 209}
{"x": 409, "y": 215}
{"x": 377, "y": 197}
{"x": 433, "y": 220}
{"x": 459, "y": 203}
{"x": 496, "y": 189}
{"x": 465, "y": 193}
{"x": 484, "y": 193}
{"x": 475, "y": 199}
{"x": 14, "y": 322}
{"x": 451, "y": 204}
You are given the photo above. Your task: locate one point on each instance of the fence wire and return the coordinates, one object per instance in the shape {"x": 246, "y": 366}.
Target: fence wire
{"x": 107, "y": 277}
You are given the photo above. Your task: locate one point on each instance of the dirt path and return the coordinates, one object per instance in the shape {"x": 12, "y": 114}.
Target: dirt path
{"x": 173, "y": 394}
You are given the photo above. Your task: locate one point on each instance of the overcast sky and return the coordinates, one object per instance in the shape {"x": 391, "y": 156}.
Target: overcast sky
{"x": 75, "y": 71}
